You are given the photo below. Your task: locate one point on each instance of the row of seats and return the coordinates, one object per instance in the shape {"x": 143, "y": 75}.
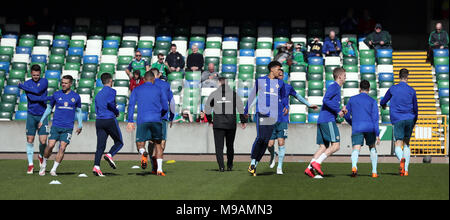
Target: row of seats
{"x": 441, "y": 66}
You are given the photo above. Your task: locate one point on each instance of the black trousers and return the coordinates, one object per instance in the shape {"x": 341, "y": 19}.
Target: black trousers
{"x": 221, "y": 135}
{"x": 107, "y": 128}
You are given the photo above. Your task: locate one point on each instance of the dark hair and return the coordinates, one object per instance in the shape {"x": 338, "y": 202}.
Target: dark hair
{"x": 36, "y": 68}
{"x": 149, "y": 75}
{"x": 403, "y": 74}
{"x": 160, "y": 54}
{"x": 364, "y": 85}
{"x": 337, "y": 72}
{"x": 155, "y": 71}
{"x": 106, "y": 77}
{"x": 173, "y": 45}
{"x": 69, "y": 77}
{"x": 137, "y": 72}
{"x": 274, "y": 64}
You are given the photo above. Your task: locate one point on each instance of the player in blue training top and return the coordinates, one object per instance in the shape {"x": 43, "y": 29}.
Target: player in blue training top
{"x": 280, "y": 131}
{"x": 167, "y": 119}
{"x": 327, "y": 131}
{"x": 152, "y": 106}
{"x": 106, "y": 124}
{"x": 67, "y": 105}
{"x": 36, "y": 91}
{"x": 404, "y": 112}
{"x": 363, "y": 116}
{"x": 268, "y": 92}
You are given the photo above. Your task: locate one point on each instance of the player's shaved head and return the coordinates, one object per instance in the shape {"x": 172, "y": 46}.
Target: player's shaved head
{"x": 149, "y": 76}
{"x": 403, "y": 74}
{"x": 364, "y": 85}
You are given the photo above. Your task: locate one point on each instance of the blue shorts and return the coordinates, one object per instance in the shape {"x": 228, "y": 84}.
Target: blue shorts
{"x": 149, "y": 131}
{"x": 328, "y": 133}
{"x": 403, "y": 130}
{"x": 280, "y": 130}
{"x": 165, "y": 125}
{"x": 32, "y": 125}
{"x": 358, "y": 138}
{"x": 61, "y": 134}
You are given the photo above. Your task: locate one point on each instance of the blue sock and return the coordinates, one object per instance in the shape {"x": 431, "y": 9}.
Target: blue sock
{"x": 355, "y": 155}
{"x": 30, "y": 151}
{"x": 406, "y": 155}
{"x": 399, "y": 153}
{"x": 281, "y": 153}
{"x": 374, "y": 159}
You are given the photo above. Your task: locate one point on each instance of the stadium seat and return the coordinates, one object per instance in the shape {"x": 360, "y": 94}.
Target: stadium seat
{"x": 11, "y": 90}
{"x": 246, "y": 52}
{"x": 315, "y": 69}
{"x": 442, "y": 69}
{"x": 73, "y": 59}
{"x": 313, "y": 118}
{"x": 229, "y": 68}
{"x": 384, "y": 53}
{"x": 443, "y": 93}
{"x": 441, "y": 61}
{"x": 385, "y": 61}
{"x": 440, "y": 53}
{"x": 7, "y": 107}
{"x": 443, "y": 84}
{"x": 367, "y": 53}
{"x": 72, "y": 66}
{"x": 315, "y": 61}
{"x": 445, "y": 109}
{"x": 90, "y": 59}
{"x": 229, "y": 53}
{"x": 387, "y": 77}
{"x": 367, "y": 69}
{"x": 367, "y": 61}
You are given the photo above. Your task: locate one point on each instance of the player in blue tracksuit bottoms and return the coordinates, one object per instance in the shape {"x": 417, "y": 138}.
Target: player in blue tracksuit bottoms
{"x": 106, "y": 124}
{"x": 404, "y": 112}
{"x": 152, "y": 106}
{"x": 67, "y": 105}
{"x": 166, "y": 121}
{"x": 280, "y": 131}
{"x": 363, "y": 116}
{"x": 269, "y": 91}
{"x": 328, "y": 137}
{"x": 36, "y": 92}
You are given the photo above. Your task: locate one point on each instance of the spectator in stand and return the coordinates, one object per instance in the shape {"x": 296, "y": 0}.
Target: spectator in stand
{"x": 162, "y": 66}
{"x": 349, "y": 49}
{"x": 195, "y": 60}
{"x": 202, "y": 118}
{"x": 137, "y": 64}
{"x": 185, "y": 117}
{"x": 438, "y": 40}
{"x": 174, "y": 60}
{"x": 332, "y": 45}
{"x": 299, "y": 56}
{"x": 315, "y": 48}
{"x": 349, "y": 24}
{"x": 285, "y": 53}
{"x": 366, "y": 24}
{"x": 378, "y": 39}
{"x": 136, "y": 80}
{"x": 210, "y": 77}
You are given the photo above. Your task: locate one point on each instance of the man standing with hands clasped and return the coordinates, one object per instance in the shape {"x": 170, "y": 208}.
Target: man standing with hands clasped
{"x": 224, "y": 102}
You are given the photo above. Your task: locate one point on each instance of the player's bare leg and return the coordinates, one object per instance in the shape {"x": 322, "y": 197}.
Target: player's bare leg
{"x": 159, "y": 157}
{"x": 271, "y": 148}
{"x": 47, "y": 153}
{"x": 59, "y": 157}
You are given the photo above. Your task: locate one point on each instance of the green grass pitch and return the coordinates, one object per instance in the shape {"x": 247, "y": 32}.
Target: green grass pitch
{"x": 202, "y": 181}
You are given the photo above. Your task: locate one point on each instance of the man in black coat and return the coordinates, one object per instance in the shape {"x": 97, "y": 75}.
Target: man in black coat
{"x": 224, "y": 102}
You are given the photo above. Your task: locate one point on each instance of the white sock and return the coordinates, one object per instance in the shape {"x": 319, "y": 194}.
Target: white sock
{"x": 309, "y": 166}
{"x": 44, "y": 162}
{"x": 55, "y": 166}
{"x": 159, "y": 162}
{"x": 321, "y": 158}
{"x": 141, "y": 151}
{"x": 97, "y": 167}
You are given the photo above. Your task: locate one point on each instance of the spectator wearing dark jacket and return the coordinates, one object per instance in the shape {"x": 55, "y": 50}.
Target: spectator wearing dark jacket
{"x": 175, "y": 60}
{"x": 332, "y": 45}
{"x": 225, "y": 104}
{"x": 195, "y": 60}
{"x": 379, "y": 39}
{"x": 315, "y": 48}
{"x": 438, "y": 40}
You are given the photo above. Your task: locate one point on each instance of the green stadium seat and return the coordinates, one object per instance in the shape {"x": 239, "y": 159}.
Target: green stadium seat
{"x": 2, "y": 84}
{"x": 121, "y": 99}
{"x": 315, "y": 92}
{"x": 441, "y": 61}
{"x": 245, "y": 76}
{"x": 193, "y": 75}
{"x": 114, "y": 37}
{"x": 128, "y": 44}
{"x": 124, "y": 59}
{"x": 5, "y": 58}
{"x": 315, "y": 77}
{"x": 73, "y": 59}
{"x": 19, "y": 66}
{"x": 90, "y": 67}
{"x": 13, "y": 82}
{"x": 384, "y": 60}
{"x": 264, "y": 45}
{"x": 85, "y": 107}
{"x": 444, "y": 101}
{"x": 442, "y": 76}
{"x": 248, "y": 38}
{"x": 72, "y": 66}
{"x": 121, "y": 116}
{"x": 122, "y": 83}
{"x": 50, "y": 91}
{"x": 162, "y": 45}
{"x": 214, "y": 60}
{"x": 330, "y": 68}
{"x": 88, "y": 75}
{"x": 62, "y": 37}
{"x": 26, "y": 42}
{"x": 23, "y": 106}
{"x": 84, "y": 91}
{"x": 17, "y": 74}
{"x": 5, "y": 50}
{"x": 367, "y": 53}
{"x": 351, "y": 84}
{"x": 350, "y": 61}
{"x": 58, "y": 51}
{"x": 297, "y": 118}
{"x": 384, "y": 111}
{"x": 121, "y": 67}
{"x": 246, "y": 45}
{"x": 444, "y": 109}
{"x": 92, "y": 116}
{"x": 53, "y": 83}
{"x": 246, "y": 69}
{"x": 315, "y": 85}
{"x": 6, "y": 116}
{"x": 368, "y": 76}
{"x": 76, "y": 43}
{"x": 197, "y": 38}
{"x": 373, "y": 84}
{"x": 108, "y": 68}
{"x": 229, "y": 53}
{"x": 386, "y": 84}
{"x": 229, "y": 60}
{"x": 315, "y": 69}
{"x": 213, "y": 44}
{"x": 145, "y": 44}
{"x": 55, "y": 66}
{"x": 329, "y": 77}
{"x": 162, "y": 51}
{"x": 7, "y": 107}
{"x": 262, "y": 70}
{"x": 310, "y": 110}
{"x": 86, "y": 83}
{"x": 109, "y": 51}
{"x": 443, "y": 84}
{"x": 229, "y": 75}
{"x": 54, "y": 58}
{"x": 351, "y": 68}
{"x": 175, "y": 76}
{"x": 298, "y": 84}
{"x": 367, "y": 61}
{"x": 298, "y": 68}
{"x": 245, "y": 83}
{"x": 42, "y": 43}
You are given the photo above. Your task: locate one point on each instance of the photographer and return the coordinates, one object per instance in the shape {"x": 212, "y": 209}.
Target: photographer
{"x": 332, "y": 46}
{"x": 315, "y": 48}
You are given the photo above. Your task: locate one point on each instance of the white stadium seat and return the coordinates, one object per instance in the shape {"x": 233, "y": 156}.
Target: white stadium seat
{"x": 349, "y": 92}
{"x": 298, "y": 109}
{"x": 315, "y": 100}
{"x": 385, "y": 68}
{"x": 298, "y": 76}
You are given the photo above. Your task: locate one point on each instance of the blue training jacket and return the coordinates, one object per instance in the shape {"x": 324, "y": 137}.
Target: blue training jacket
{"x": 290, "y": 92}
{"x": 165, "y": 88}
{"x": 105, "y": 103}
{"x": 151, "y": 101}
{"x": 37, "y": 95}
{"x": 363, "y": 114}
{"x": 331, "y": 104}
{"x": 403, "y": 102}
